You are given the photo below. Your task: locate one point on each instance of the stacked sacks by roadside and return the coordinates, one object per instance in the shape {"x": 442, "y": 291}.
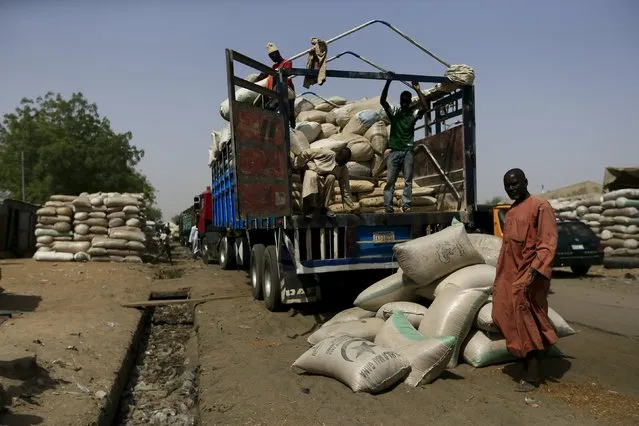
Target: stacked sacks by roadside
{"x": 620, "y": 223}
{"x": 587, "y": 210}
{"x": 54, "y": 224}
{"x": 391, "y": 336}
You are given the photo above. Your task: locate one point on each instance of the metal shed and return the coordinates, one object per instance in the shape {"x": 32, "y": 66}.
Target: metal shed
{"x": 17, "y": 228}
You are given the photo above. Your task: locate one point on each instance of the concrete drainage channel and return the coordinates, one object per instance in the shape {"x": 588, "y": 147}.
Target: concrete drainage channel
{"x": 162, "y": 386}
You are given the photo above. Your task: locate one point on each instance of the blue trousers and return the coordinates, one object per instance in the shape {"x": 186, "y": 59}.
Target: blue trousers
{"x": 396, "y": 161}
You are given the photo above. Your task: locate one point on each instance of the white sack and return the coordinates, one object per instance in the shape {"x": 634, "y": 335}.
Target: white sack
{"x": 361, "y": 151}
{"x": 361, "y": 122}
{"x": 71, "y": 246}
{"x": 347, "y": 315}
{"x": 310, "y": 129}
{"x": 315, "y": 116}
{"x": 484, "y": 321}
{"x": 366, "y": 328}
{"x": 413, "y": 312}
{"x": 452, "y": 313}
{"x": 428, "y": 356}
{"x": 488, "y": 246}
{"x": 627, "y": 193}
{"x": 332, "y": 144}
{"x": 302, "y": 104}
{"x": 431, "y": 257}
{"x": 378, "y": 137}
{"x": 52, "y": 256}
{"x": 359, "y": 364}
{"x": 127, "y": 235}
{"x": 474, "y": 276}
{"x": 299, "y": 142}
{"x": 359, "y": 169}
{"x": 328, "y": 130}
{"x": 394, "y": 288}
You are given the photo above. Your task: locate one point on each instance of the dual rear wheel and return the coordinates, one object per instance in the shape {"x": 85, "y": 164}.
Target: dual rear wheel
{"x": 265, "y": 276}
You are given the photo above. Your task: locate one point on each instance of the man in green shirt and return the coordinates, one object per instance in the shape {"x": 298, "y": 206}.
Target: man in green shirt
{"x": 400, "y": 142}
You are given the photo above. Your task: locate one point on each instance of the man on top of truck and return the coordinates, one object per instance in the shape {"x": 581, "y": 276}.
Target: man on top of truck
{"x": 400, "y": 142}
{"x": 323, "y": 167}
{"x": 280, "y": 62}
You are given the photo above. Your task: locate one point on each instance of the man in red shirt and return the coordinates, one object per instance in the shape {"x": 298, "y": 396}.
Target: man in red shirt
{"x": 280, "y": 62}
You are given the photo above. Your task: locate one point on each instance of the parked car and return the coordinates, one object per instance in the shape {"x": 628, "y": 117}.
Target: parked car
{"x": 577, "y": 247}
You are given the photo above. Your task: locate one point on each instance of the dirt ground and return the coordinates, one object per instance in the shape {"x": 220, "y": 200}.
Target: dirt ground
{"x": 245, "y": 353}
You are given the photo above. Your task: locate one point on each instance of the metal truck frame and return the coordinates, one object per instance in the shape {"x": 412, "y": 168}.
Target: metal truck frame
{"x": 253, "y": 226}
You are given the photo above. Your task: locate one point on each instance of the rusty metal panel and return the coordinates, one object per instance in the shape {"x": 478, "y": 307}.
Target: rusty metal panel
{"x": 448, "y": 150}
{"x": 261, "y": 163}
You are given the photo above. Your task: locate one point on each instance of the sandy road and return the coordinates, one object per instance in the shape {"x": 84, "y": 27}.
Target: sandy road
{"x": 246, "y": 353}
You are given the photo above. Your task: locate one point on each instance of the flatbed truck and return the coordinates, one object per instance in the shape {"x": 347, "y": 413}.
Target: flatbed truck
{"x": 253, "y": 225}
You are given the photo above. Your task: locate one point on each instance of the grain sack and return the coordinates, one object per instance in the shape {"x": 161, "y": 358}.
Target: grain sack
{"x": 116, "y": 258}
{"x": 96, "y": 201}
{"x": 131, "y": 209}
{"x": 332, "y": 144}
{"x": 43, "y": 247}
{"x": 132, "y": 259}
{"x": 423, "y": 201}
{"x": 97, "y": 251}
{"x": 378, "y": 165}
{"x": 361, "y": 151}
{"x": 394, "y": 288}
{"x": 453, "y": 313}
{"x": 622, "y": 220}
{"x": 484, "y": 321}
{"x": 378, "y": 137}
{"x": 339, "y": 207}
{"x": 81, "y": 257}
{"x": 595, "y": 209}
{"x": 52, "y": 256}
{"x": 62, "y": 227}
{"x": 328, "y": 130}
{"x": 488, "y": 246}
{"x": 400, "y": 183}
{"x": 68, "y": 238}
{"x": 302, "y": 104}
{"x": 114, "y": 223}
{"x": 97, "y": 215}
{"x": 81, "y": 229}
{"x": 482, "y": 349}
{"x": 133, "y": 222}
{"x": 81, "y": 204}
{"x": 62, "y": 198}
{"x": 591, "y": 217}
{"x": 345, "y": 113}
{"x": 372, "y": 202}
{"x": 359, "y": 364}
{"x": 360, "y": 186}
{"x": 310, "y": 131}
{"x": 366, "y": 328}
{"x": 337, "y": 100}
{"x": 361, "y": 122}
{"x": 359, "y": 169}
{"x": 324, "y": 106}
{"x": 81, "y": 216}
{"x": 562, "y": 328}
{"x": 626, "y": 193}
{"x": 120, "y": 201}
{"x": 347, "y": 315}
{"x": 64, "y": 211}
{"x": 98, "y": 230}
{"x": 71, "y": 246}
{"x": 127, "y": 235}
{"x": 413, "y": 312}
{"x": 246, "y": 96}
{"x": 428, "y": 258}
{"x": 622, "y": 202}
{"x": 86, "y": 237}
{"x": 627, "y": 211}
{"x": 135, "y": 246}
{"x": 45, "y": 239}
{"x": 46, "y": 211}
{"x": 48, "y": 232}
{"x": 47, "y": 220}
{"x": 474, "y": 276}
{"x": 315, "y": 116}
{"x": 109, "y": 243}
{"x": 427, "y": 356}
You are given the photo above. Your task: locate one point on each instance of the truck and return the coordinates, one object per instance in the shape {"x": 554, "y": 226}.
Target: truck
{"x": 254, "y": 227}
{"x": 185, "y": 222}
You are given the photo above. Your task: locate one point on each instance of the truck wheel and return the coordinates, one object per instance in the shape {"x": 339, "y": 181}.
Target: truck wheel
{"x": 580, "y": 270}
{"x": 257, "y": 271}
{"x": 227, "y": 254}
{"x": 272, "y": 297}
{"x": 206, "y": 252}
{"x": 242, "y": 257}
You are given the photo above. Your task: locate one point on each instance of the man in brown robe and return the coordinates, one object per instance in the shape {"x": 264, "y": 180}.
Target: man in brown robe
{"x": 524, "y": 267}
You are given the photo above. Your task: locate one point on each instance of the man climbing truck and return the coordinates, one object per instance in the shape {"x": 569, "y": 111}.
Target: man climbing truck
{"x": 254, "y": 225}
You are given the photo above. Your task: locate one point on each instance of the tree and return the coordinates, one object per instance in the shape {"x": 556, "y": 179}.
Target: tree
{"x": 68, "y": 149}
{"x": 153, "y": 213}
{"x": 176, "y": 218}
{"x": 494, "y": 201}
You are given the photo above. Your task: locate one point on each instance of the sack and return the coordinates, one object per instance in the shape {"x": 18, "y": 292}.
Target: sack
{"x": 482, "y": 349}
{"x": 127, "y": 235}
{"x": 97, "y": 251}
{"x": 428, "y": 258}
{"x": 627, "y": 212}
{"x": 62, "y": 227}
{"x": 71, "y": 246}
{"x": 422, "y": 200}
{"x": 378, "y": 165}
{"x": 626, "y": 193}
{"x": 332, "y": 144}
{"x": 302, "y": 104}
{"x": 428, "y": 356}
{"x": 52, "y": 256}
{"x": 135, "y": 246}
{"x": 359, "y": 169}
{"x": 81, "y": 203}
{"x": 310, "y": 130}
{"x": 81, "y": 257}
{"x": 378, "y": 137}
{"x": 81, "y": 216}
{"x": 47, "y": 220}
{"x": 372, "y": 202}
{"x": 132, "y": 259}
{"x": 324, "y": 106}
{"x": 453, "y": 313}
{"x": 484, "y": 321}
{"x": 82, "y": 229}
{"x": 109, "y": 243}
{"x": 359, "y": 186}
{"x": 365, "y": 328}
{"x": 40, "y": 232}
{"x": 337, "y": 100}
{"x": 99, "y": 230}
{"x": 344, "y": 114}
{"x": 95, "y": 215}
{"x": 488, "y": 246}
{"x": 131, "y": 209}
{"x": 351, "y": 314}
{"x": 316, "y": 116}
{"x": 359, "y": 364}
{"x": 46, "y": 211}
{"x": 120, "y": 201}
{"x": 64, "y": 211}
{"x": 328, "y": 130}
{"x": 361, "y": 122}
{"x": 474, "y": 276}
{"x": 361, "y": 151}
{"x": 62, "y": 198}
{"x": 45, "y": 239}
{"x": 413, "y": 312}
{"x": 562, "y": 328}
{"x": 394, "y": 288}
{"x": 339, "y": 207}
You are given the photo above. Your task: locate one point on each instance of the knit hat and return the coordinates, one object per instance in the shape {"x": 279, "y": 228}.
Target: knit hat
{"x": 271, "y": 47}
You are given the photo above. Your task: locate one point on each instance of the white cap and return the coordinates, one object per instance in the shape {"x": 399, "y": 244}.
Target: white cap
{"x": 271, "y": 47}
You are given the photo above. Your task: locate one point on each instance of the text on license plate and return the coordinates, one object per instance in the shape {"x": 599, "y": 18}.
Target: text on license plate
{"x": 383, "y": 237}
{"x": 577, "y": 246}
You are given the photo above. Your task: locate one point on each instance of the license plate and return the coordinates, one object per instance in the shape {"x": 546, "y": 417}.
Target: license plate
{"x": 577, "y": 247}
{"x": 383, "y": 237}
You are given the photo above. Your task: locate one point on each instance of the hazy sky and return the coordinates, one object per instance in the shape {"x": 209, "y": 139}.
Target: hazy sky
{"x": 556, "y": 84}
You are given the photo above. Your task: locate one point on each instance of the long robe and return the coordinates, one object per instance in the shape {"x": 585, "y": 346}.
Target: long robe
{"x": 520, "y": 303}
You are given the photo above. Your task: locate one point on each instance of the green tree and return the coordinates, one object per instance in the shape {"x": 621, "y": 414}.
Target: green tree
{"x": 494, "y": 201}
{"x": 175, "y": 219}
{"x": 153, "y": 213}
{"x": 68, "y": 149}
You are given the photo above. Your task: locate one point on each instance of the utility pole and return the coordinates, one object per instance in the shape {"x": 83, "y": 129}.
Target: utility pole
{"x": 22, "y": 158}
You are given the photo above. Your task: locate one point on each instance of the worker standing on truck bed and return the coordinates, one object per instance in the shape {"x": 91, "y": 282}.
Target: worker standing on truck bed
{"x": 524, "y": 267}
{"x": 323, "y": 167}
{"x": 280, "y": 62}
{"x": 400, "y": 141}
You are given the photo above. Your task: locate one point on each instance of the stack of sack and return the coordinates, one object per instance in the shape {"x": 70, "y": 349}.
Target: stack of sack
{"x": 587, "y": 210}
{"x": 391, "y": 336}
{"x": 620, "y": 223}
{"x": 97, "y": 227}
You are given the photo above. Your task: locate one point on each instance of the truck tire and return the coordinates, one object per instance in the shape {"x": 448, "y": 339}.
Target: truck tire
{"x": 272, "y": 297}
{"x": 207, "y": 257}
{"x": 580, "y": 270}
{"x": 242, "y": 257}
{"x": 227, "y": 253}
{"x": 257, "y": 271}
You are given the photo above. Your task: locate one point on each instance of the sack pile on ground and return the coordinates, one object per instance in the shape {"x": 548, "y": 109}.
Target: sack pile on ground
{"x": 390, "y": 335}
{"x": 98, "y": 227}
{"x": 620, "y": 223}
{"x": 587, "y": 210}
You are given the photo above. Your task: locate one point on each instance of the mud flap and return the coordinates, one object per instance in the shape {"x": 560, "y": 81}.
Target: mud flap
{"x": 296, "y": 289}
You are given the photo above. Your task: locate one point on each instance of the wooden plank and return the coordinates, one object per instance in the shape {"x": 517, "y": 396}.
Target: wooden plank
{"x": 151, "y": 303}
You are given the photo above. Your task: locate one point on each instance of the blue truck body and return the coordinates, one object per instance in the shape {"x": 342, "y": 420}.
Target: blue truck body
{"x": 286, "y": 253}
